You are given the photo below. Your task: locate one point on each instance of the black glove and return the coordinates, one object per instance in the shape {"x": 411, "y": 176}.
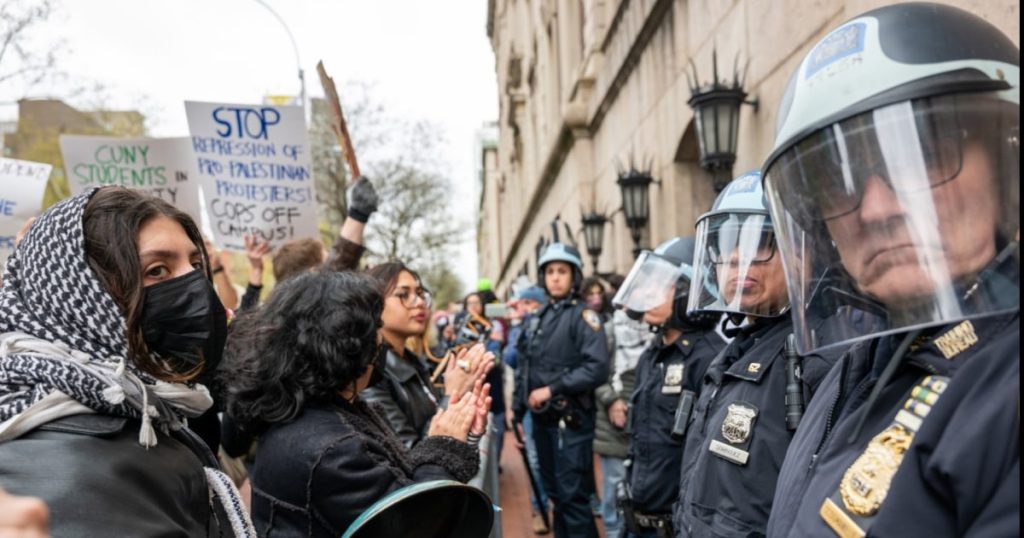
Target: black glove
{"x": 362, "y": 200}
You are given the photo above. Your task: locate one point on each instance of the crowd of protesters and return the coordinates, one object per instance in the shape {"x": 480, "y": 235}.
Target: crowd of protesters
{"x": 835, "y": 351}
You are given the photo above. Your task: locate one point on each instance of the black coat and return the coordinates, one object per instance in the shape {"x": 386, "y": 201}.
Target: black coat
{"x": 738, "y": 437}
{"x": 316, "y": 474}
{"x": 97, "y": 480}
{"x": 564, "y": 349}
{"x": 960, "y": 475}
{"x": 663, "y": 373}
{"x": 406, "y": 396}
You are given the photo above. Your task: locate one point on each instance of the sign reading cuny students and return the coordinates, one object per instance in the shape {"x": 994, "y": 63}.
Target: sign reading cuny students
{"x": 22, "y": 185}
{"x": 255, "y": 170}
{"x": 162, "y": 167}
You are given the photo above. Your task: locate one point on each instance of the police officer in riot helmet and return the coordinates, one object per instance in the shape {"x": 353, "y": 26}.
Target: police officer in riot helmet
{"x": 564, "y": 357}
{"x": 738, "y": 436}
{"x": 895, "y": 188}
{"x": 667, "y": 382}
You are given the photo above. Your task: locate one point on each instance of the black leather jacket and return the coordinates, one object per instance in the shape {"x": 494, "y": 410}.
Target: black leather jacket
{"x": 97, "y": 480}
{"x": 406, "y": 396}
{"x": 316, "y": 474}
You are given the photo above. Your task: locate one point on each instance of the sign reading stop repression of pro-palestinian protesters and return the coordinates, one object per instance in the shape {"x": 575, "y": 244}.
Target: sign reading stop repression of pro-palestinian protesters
{"x": 255, "y": 169}
{"x": 22, "y": 185}
{"x": 162, "y": 167}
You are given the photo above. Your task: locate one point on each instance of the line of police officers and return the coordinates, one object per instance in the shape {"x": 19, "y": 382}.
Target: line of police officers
{"x": 868, "y": 285}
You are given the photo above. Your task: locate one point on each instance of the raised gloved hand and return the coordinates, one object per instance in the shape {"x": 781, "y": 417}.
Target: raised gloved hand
{"x": 362, "y": 200}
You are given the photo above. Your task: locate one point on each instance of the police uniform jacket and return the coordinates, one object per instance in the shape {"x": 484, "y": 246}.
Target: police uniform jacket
{"x": 565, "y": 350}
{"x": 738, "y": 437}
{"x": 406, "y": 396}
{"x": 662, "y": 373}
{"x": 960, "y": 474}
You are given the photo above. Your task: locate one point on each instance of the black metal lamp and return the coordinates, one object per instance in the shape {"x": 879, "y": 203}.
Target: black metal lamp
{"x": 716, "y": 109}
{"x": 593, "y": 234}
{"x": 634, "y": 186}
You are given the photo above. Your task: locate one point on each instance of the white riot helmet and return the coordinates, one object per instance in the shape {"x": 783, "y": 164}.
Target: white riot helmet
{"x": 894, "y": 181}
{"x": 736, "y": 250}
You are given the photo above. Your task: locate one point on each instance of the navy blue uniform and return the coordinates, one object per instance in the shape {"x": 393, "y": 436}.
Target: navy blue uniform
{"x": 663, "y": 372}
{"x": 960, "y": 475}
{"x": 738, "y": 437}
{"x": 566, "y": 350}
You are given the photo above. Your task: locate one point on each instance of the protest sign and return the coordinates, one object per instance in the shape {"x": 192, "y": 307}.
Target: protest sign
{"x": 22, "y": 185}
{"x": 255, "y": 171}
{"x": 162, "y": 167}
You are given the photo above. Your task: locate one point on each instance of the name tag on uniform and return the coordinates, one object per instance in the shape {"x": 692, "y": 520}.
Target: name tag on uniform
{"x": 736, "y": 430}
{"x": 730, "y": 453}
{"x": 673, "y": 382}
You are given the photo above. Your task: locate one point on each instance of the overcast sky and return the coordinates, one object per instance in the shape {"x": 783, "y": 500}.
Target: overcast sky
{"x": 426, "y": 59}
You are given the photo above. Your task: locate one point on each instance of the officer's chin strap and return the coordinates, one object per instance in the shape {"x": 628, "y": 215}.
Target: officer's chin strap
{"x": 883, "y": 380}
{"x": 736, "y": 329}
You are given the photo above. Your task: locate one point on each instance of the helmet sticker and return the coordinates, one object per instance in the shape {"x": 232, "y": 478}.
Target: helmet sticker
{"x": 748, "y": 183}
{"x": 843, "y": 42}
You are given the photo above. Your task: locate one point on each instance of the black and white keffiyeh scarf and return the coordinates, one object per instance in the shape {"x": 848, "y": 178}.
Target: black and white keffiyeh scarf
{"x": 63, "y": 349}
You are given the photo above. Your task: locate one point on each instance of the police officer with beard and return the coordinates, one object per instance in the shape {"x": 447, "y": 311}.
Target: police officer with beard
{"x": 668, "y": 380}
{"x": 895, "y": 188}
{"x": 564, "y": 358}
{"x": 739, "y": 433}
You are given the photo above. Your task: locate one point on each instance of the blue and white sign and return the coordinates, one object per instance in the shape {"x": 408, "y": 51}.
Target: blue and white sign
{"x": 255, "y": 172}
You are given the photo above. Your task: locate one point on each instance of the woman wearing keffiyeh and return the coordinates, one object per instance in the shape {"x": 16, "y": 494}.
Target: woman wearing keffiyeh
{"x": 107, "y": 316}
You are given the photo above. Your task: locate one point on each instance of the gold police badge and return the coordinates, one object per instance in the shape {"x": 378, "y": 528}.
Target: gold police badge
{"x": 866, "y": 483}
{"x": 738, "y": 423}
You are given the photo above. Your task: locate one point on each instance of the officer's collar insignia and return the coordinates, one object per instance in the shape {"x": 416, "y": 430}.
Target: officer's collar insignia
{"x": 957, "y": 339}
{"x": 753, "y": 367}
{"x": 738, "y": 423}
{"x": 865, "y": 484}
{"x": 591, "y": 318}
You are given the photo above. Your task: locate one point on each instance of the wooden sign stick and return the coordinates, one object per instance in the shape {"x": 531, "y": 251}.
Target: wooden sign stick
{"x": 338, "y": 123}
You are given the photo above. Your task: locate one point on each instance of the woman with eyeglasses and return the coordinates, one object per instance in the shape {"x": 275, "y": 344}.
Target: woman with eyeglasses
{"x": 405, "y": 392}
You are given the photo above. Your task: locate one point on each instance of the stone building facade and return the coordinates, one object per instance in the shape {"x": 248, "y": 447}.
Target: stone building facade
{"x": 588, "y": 86}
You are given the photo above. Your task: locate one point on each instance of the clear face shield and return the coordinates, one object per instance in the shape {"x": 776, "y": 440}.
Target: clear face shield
{"x": 900, "y": 218}
{"x": 650, "y": 283}
{"x": 737, "y": 253}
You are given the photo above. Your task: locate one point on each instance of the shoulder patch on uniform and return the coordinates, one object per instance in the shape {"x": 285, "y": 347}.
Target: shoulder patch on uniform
{"x": 592, "y": 319}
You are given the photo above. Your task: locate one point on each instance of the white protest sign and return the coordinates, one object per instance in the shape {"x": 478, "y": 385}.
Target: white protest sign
{"x": 22, "y": 186}
{"x": 255, "y": 170}
{"x": 162, "y": 167}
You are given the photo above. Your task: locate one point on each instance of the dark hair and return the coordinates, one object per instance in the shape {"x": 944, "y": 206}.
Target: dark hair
{"x": 615, "y": 281}
{"x": 387, "y": 274}
{"x": 297, "y": 256}
{"x": 465, "y": 300}
{"x": 314, "y": 337}
{"x": 112, "y": 216}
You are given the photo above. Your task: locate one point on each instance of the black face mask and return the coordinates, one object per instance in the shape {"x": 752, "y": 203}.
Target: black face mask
{"x": 184, "y": 321}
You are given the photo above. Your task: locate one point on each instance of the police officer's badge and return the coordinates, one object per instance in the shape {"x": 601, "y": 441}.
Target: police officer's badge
{"x": 736, "y": 431}
{"x": 673, "y": 383}
{"x": 738, "y": 423}
{"x": 592, "y": 319}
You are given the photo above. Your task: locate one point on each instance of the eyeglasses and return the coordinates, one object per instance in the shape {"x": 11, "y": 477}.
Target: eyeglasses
{"x": 754, "y": 244}
{"x": 826, "y": 174}
{"x": 409, "y": 298}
